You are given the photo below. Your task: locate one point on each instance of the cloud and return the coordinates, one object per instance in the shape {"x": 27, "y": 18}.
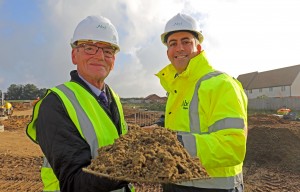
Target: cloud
{"x": 139, "y": 25}
{"x": 240, "y": 37}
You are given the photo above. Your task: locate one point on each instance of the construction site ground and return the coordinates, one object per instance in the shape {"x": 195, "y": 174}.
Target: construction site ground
{"x": 272, "y": 161}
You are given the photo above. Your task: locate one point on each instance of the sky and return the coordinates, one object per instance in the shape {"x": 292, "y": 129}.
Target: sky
{"x": 240, "y": 36}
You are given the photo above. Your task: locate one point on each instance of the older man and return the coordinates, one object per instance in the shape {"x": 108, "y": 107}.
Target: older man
{"x": 74, "y": 119}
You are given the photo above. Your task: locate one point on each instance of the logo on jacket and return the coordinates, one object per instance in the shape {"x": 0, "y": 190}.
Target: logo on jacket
{"x": 185, "y": 104}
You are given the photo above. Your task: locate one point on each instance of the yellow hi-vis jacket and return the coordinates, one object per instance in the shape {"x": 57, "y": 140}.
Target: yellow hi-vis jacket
{"x": 209, "y": 110}
{"x": 90, "y": 119}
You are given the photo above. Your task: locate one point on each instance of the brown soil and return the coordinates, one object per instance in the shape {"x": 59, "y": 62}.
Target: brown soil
{"x": 148, "y": 155}
{"x": 273, "y": 155}
{"x": 20, "y": 158}
{"x": 272, "y": 161}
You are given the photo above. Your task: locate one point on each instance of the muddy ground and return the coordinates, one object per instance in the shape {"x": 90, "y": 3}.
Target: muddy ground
{"x": 272, "y": 162}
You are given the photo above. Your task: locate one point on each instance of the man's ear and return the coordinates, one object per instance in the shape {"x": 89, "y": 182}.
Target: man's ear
{"x": 199, "y": 48}
{"x": 113, "y": 64}
{"x": 74, "y": 60}
{"x": 168, "y": 54}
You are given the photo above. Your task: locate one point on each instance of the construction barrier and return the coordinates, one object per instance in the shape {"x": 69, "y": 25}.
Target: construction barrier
{"x": 143, "y": 118}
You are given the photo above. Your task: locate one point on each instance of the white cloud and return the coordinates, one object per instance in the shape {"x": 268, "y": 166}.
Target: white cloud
{"x": 240, "y": 37}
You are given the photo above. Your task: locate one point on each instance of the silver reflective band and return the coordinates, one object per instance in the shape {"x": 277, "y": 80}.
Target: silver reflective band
{"x": 227, "y": 123}
{"x": 46, "y": 163}
{"x": 88, "y": 131}
{"x": 189, "y": 142}
{"x": 193, "y": 112}
{"x": 216, "y": 182}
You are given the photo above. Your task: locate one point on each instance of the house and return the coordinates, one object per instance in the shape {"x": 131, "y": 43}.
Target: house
{"x": 155, "y": 98}
{"x": 283, "y": 82}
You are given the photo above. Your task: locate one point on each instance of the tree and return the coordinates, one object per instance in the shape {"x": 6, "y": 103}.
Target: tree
{"x": 42, "y": 92}
{"x": 14, "y": 92}
{"x": 24, "y": 92}
{"x": 30, "y": 92}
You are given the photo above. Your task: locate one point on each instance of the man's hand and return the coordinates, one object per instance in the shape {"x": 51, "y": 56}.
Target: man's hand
{"x": 179, "y": 138}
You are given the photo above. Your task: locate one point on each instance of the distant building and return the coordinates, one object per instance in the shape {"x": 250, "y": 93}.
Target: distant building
{"x": 153, "y": 98}
{"x": 283, "y": 82}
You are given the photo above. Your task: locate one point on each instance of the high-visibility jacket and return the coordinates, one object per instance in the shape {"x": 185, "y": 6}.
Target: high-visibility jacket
{"x": 209, "y": 110}
{"x": 91, "y": 121}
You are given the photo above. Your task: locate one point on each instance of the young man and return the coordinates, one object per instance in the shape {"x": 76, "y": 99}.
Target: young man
{"x": 74, "y": 119}
{"x": 208, "y": 108}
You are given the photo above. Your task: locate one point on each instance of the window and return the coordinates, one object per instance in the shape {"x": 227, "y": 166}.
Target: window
{"x": 250, "y": 91}
{"x": 271, "y": 89}
{"x": 282, "y": 88}
{"x": 260, "y": 90}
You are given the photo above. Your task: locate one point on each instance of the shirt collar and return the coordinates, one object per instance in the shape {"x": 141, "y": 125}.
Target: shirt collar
{"x": 92, "y": 87}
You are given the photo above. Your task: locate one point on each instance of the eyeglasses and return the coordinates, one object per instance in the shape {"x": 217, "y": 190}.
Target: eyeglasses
{"x": 93, "y": 49}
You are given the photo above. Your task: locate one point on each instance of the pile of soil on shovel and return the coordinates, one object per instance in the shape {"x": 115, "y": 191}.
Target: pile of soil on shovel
{"x": 147, "y": 155}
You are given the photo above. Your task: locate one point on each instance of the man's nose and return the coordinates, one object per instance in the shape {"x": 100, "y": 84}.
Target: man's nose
{"x": 179, "y": 47}
{"x": 99, "y": 53}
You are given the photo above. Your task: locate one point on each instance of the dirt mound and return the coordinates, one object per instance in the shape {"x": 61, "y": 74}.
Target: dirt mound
{"x": 262, "y": 119}
{"x": 21, "y": 106}
{"x": 147, "y": 156}
{"x": 14, "y": 123}
{"x": 274, "y": 148}
{"x": 272, "y": 161}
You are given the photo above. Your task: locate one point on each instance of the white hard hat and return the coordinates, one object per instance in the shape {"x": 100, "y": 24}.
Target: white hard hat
{"x": 96, "y": 28}
{"x": 182, "y": 22}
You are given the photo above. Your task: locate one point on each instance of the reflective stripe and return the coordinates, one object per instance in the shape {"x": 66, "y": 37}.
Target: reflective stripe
{"x": 189, "y": 139}
{"x": 194, "y": 112}
{"x": 227, "y": 123}
{"x": 216, "y": 182}
{"x": 46, "y": 163}
{"x": 84, "y": 121}
{"x": 189, "y": 142}
{"x": 80, "y": 118}
{"x": 131, "y": 187}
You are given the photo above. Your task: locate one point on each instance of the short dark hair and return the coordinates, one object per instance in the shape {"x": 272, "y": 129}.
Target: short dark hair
{"x": 192, "y": 32}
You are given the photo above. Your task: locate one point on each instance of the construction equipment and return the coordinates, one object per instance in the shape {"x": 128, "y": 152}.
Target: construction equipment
{"x": 293, "y": 116}
{"x": 288, "y": 114}
{"x": 6, "y": 109}
{"x": 283, "y": 111}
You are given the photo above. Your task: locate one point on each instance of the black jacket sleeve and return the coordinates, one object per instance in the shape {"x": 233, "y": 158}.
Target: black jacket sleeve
{"x": 66, "y": 151}
{"x": 161, "y": 121}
